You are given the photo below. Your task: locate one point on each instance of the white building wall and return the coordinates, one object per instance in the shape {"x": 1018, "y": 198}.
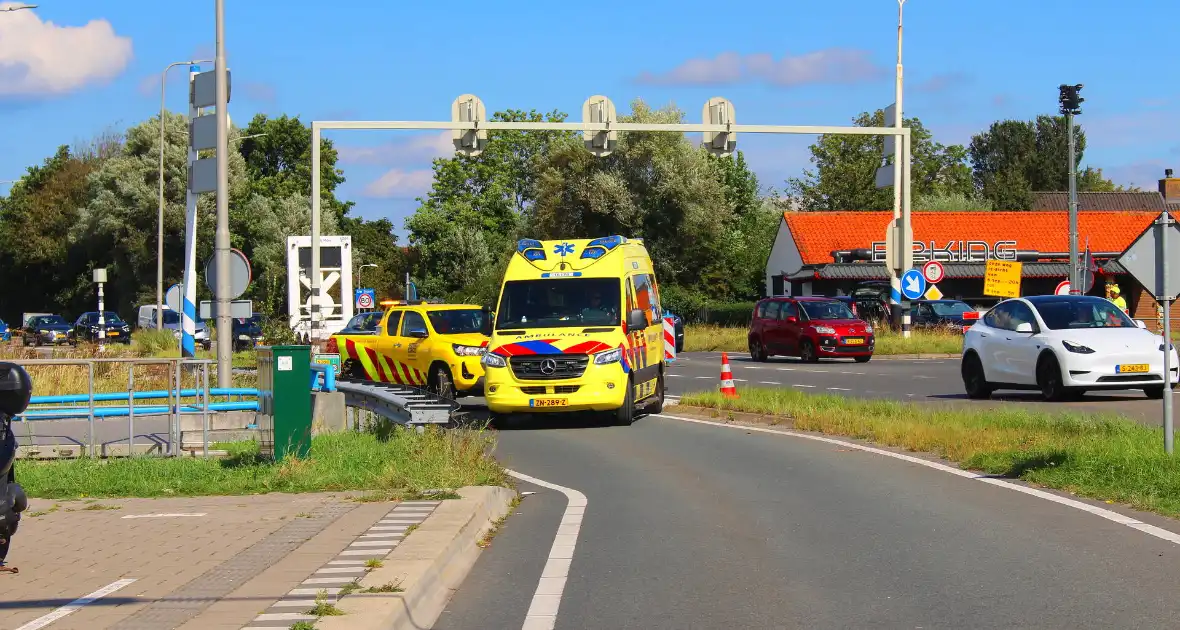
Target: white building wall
{"x": 784, "y": 258}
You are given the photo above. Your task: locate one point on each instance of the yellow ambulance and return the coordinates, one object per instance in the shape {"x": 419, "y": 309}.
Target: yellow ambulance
{"x": 578, "y": 328}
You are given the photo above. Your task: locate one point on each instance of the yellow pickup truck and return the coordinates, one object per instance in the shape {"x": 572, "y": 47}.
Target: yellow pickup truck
{"x": 435, "y": 346}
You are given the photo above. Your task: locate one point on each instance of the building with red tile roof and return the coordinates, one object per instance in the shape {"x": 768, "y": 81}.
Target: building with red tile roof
{"x": 832, "y": 253}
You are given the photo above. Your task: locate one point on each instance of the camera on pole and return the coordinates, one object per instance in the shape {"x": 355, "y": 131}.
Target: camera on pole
{"x": 600, "y": 109}
{"x": 719, "y": 111}
{"x": 469, "y": 142}
{"x": 1070, "y": 99}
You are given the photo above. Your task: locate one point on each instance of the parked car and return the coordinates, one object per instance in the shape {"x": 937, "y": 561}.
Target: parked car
{"x": 86, "y": 328}
{"x": 363, "y": 324}
{"x": 1063, "y": 345}
{"x": 810, "y": 328}
{"x": 953, "y": 315}
{"x": 868, "y": 306}
{"x": 146, "y": 320}
{"x": 51, "y": 330}
{"x": 247, "y": 332}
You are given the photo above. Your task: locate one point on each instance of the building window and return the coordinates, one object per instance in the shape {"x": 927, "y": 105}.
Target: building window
{"x": 776, "y": 284}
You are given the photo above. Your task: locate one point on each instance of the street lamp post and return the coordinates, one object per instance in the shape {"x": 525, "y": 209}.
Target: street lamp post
{"x": 160, "y": 217}
{"x": 360, "y": 275}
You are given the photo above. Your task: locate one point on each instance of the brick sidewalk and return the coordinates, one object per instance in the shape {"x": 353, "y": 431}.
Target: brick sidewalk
{"x": 219, "y": 570}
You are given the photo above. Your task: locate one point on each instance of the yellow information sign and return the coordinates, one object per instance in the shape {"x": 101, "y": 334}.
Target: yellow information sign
{"x": 1002, "y": 279}
{"x": 933, "y": 293}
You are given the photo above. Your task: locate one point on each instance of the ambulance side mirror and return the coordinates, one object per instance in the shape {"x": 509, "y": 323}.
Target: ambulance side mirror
{"x": 16, "y": 387}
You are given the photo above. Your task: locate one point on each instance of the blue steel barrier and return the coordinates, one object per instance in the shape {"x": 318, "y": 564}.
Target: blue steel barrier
{"x": 59, "y": 413}
{"x": 325, "y": 384}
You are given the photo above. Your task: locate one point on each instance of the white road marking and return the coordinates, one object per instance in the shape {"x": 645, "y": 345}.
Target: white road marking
{"x": 678, "y": 375}
{"x": 839, "y": 389}
{"x": 798, "y": 385}
{"x": 768, "y": 383}
{"x": 542, "y": 614}
{"x": 707, "y": 378}
{"x": 736, "y": 380}
{"x": 194, "y": 514}
{"x": 76, "y": 605}
{"x": 1151, "y": 530}
{"x": 785, "y": 369}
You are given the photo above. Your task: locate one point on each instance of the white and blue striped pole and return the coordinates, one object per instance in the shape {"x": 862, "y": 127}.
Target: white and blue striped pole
{"x": 188, "y": 314}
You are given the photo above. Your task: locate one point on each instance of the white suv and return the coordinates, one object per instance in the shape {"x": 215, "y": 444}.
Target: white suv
{"x": 1063, "y": 345}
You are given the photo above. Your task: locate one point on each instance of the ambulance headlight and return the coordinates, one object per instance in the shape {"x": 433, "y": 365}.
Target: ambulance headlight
{"x": 608, "y": 357}
{"x": 494, "y": 360}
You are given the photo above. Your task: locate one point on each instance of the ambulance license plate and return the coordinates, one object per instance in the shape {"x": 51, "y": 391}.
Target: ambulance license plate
{"x": 854, "y": 341}
{"x": 549, "y": 402}
{"x": 1131, "y": 368}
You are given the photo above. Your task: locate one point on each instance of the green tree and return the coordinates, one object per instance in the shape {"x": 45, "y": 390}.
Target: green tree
{"x": 35, "y": 223}
{"x": 374, "y": 243}
{"x": 277, "y": 152}
{"x": 1015, "y": 158}
{"x": 489, "y": 193}
{"x": 654, "y": 185}
{"x": 846, "y": 166}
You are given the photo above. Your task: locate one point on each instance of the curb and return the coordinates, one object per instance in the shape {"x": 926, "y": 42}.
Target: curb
{"x": 911, "y": 357}
{"x": 429, "y": 565}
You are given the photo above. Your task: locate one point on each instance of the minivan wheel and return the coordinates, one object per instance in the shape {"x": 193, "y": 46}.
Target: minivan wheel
{"x": 758, "y": 351}
{"x": 807, "y": 353}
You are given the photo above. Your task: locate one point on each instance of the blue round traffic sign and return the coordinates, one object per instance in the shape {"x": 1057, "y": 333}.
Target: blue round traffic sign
{"x": 913, "y": 284}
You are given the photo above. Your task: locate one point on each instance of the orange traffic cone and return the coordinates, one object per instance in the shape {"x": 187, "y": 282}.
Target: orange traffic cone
{"x": 727, "y": 388}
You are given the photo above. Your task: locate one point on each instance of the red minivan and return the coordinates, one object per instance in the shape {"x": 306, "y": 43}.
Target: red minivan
{"x": 810, "y": 328}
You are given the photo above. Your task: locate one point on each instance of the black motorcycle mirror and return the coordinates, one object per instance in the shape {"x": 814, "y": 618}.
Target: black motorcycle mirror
{"x": 16, "y": 388}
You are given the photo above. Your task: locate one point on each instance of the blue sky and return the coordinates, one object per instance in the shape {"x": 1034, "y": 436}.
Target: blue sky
{"x": 73, "y": 68}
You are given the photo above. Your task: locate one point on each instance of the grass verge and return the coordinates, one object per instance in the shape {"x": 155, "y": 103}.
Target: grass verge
{"x": 1102, "y": 457}
{"x": 404, "y": 464}
{"x": 708, "y": 338}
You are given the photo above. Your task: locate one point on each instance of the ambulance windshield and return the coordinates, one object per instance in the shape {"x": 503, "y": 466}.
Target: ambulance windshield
{"x": 558, "y": 303}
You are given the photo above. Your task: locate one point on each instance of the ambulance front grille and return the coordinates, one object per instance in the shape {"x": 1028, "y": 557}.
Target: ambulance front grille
{"x": 535, "y": 368}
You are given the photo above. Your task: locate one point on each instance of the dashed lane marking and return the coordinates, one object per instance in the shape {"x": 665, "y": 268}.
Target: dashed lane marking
{"x": 542, "y": 614}
{"x": 76, "y": 605}
{"x": 1115, "y": 517}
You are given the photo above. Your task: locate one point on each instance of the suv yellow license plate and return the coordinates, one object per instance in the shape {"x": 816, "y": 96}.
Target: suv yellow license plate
{"x": 1131, "y": 368}
{"x": 856, "y": 341}
{"x": 549, "y": 402}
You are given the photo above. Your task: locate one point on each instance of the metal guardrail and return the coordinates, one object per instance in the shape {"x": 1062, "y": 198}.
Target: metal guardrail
{"x": 398, "y": 403}
{"x": 172, "y": 410}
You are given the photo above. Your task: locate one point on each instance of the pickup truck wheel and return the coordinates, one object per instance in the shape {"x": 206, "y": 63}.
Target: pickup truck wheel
{"x": 441, "y": 383}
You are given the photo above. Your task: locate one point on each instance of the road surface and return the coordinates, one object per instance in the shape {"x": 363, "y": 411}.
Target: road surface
{"x": 703, "y": 526}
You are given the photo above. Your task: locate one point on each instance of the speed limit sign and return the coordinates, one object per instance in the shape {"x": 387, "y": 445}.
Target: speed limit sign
{"x": 933, "y": 272}
{"x": 365, "y": 298}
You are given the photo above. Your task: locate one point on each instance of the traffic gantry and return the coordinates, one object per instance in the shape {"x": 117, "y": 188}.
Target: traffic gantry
{"x": 600, "y": 110}
{"x": 469, "y": 142}
{"x": 719, "y": 111}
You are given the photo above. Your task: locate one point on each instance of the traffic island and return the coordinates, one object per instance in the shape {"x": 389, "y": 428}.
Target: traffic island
{"x": 1104, "y": 457}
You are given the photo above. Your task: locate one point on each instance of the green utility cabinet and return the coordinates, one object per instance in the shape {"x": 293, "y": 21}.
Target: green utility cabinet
{"x": 284, "y": 400}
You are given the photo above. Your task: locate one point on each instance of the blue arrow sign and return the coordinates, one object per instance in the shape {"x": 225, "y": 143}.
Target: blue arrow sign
{"x": 913, "y": 284}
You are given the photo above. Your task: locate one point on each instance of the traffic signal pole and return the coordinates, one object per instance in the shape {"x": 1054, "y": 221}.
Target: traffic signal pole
{"x": 1069, "y": 97}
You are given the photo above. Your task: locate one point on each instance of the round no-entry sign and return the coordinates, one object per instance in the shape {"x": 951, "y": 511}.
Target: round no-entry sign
{"x": 1062, "y": 288}
{"x": 933, "y": 272}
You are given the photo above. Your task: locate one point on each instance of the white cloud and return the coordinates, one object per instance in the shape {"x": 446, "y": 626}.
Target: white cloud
{"x": 827, "y": 66}
{"x": 409, "y": 151}
{"x": 42, "y": 58}
{"x": 400, "y": 184}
